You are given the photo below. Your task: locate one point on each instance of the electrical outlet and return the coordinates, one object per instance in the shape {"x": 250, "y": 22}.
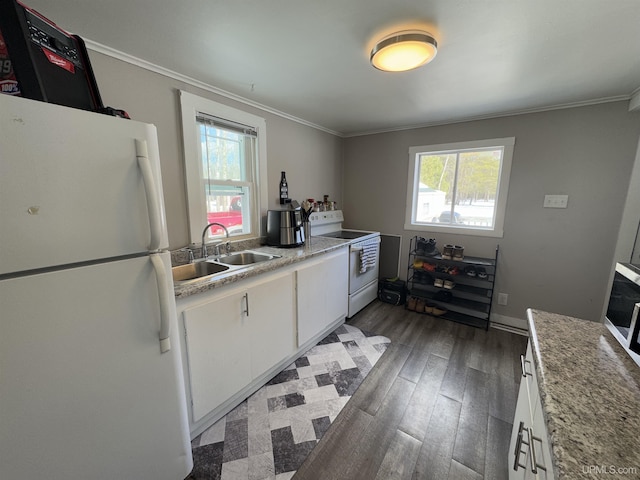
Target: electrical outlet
{"x": 503, "y": 298}
{"x": 556, "y": 201}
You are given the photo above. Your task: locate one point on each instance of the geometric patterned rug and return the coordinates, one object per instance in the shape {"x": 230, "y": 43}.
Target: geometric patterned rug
{"x": 270, "y": 434}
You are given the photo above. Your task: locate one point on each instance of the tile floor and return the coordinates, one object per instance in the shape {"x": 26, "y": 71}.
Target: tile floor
{"x": 269, "y": 435}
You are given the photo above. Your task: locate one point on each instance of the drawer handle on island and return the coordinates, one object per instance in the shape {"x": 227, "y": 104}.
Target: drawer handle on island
{"x": 518, "y": 450}
{"x": 524, "y": 370}
{"x": 532, "y": 451}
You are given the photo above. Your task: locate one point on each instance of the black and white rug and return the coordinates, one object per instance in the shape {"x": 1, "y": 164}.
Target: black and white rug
{"x": 269, "y": 435}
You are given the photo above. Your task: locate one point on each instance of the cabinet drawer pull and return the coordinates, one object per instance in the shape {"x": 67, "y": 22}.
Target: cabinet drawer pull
{"x": 518, "y": 450}
{"x": 522, "y": 365}
{"x": 532, "y": 451}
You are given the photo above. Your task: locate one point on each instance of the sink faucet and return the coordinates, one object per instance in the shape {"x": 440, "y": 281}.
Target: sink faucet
{"x": 204, "y": 232}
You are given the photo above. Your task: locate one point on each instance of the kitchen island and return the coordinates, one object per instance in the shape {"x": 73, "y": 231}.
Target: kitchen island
{"x": 589, "y": 390}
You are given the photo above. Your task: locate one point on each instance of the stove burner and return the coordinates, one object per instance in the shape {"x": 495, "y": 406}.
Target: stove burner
{"x": 345, "y": 234}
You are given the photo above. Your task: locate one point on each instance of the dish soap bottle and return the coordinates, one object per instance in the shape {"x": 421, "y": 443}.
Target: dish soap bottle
{"x": 284, "y": 189}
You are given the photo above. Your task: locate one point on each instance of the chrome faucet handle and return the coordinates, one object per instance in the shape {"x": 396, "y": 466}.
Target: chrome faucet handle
{"x": 189, "y": 252}
{"x": 228, "y": 248}
{"x": 217, "y": 249}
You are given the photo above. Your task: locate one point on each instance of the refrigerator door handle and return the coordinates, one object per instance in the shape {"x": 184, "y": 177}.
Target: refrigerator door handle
{"x": 151, "y": 190}
{"x": 164, "y": 292}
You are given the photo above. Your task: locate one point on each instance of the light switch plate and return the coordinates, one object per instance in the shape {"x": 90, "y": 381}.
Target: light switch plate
{"x": 556, "y": 201}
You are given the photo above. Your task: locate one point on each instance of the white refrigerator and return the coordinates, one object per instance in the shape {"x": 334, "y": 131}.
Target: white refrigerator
{"x": 91, "y": 383}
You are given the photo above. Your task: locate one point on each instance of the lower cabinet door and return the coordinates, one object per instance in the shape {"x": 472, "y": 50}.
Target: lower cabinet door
{"x": 323, "y": 293}
{"x": 271, "y": 322}
{"x": 217, "y": 351}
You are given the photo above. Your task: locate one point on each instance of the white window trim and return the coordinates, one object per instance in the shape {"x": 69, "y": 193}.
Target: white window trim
{"x": 503, "y": 187}
{"x": 190, "y": 105}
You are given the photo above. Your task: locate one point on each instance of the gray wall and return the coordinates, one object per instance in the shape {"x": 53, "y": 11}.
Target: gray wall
{"x": 553, "y": 259}
{"x": 311, "y": 157}
{"x": 558, "y": 260}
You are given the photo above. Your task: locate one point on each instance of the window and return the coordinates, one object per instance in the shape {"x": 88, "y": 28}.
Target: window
{"x": 459, "y": 187}
{"x": 225, "y": 163}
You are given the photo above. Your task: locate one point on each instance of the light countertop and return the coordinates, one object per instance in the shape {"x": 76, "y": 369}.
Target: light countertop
{"x": 590, "y": 393}
{"x": 288, "y": 256}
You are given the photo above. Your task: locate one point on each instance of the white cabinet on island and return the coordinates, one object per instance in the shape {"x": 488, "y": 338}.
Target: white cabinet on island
{"x": 586, "y": 410}
{"x": 529, "y": 452}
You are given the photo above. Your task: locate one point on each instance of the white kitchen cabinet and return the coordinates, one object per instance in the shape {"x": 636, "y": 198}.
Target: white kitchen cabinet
{"x": 271, "y": 314}
{"x": 216, "y": 339}
{"x": 529, "y": 451}
{"x": 235, "y": 335}
{"x": 323, "y": 293}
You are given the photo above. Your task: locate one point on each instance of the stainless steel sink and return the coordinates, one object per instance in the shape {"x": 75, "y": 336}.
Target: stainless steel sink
{"x": 245, "y": 258}
{"x": 196, "y": 270}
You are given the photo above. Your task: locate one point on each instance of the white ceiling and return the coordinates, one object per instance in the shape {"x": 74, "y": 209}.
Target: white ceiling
{"x": 310, "y": 58}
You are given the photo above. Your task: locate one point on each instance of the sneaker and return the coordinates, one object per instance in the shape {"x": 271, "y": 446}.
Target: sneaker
{"x": 482, "y": 273}
{"x": 438, "y": 282}
{"x": 458, "y": 252}
{"x": 447, "y": 252}
{"x": 448, "y": 284}
{"x": 470, "y": 272}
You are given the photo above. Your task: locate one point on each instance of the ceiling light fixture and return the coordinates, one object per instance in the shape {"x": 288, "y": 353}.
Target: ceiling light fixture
{"x": 404, "y": 51}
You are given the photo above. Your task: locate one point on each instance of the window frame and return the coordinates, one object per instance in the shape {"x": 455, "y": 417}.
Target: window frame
{"x": 413, "y": 181}
{"x": 191, "y": 105}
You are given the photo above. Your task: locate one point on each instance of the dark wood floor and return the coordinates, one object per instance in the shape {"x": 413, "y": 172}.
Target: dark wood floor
{"x": 438, "y": 405}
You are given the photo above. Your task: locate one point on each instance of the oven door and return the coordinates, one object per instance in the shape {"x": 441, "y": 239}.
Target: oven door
{"x": 358, "y": 280}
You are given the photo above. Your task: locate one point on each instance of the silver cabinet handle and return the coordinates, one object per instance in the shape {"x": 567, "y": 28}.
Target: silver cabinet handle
{"x": 246, "y": 304}
{"x": 532, "y": 452}
{"x": 518, "y": 450}
{"x": 522, "y": 365}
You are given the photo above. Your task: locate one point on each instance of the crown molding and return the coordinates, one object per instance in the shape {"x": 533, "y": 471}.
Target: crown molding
{"x": 125, "y": 57}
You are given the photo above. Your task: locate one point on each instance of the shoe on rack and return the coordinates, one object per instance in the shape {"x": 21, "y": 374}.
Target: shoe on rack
{"x": 447, "y": 252}
{"x": 482, "y": 273}
{"x": 437, "y": 311}
{"x": 470, "y": 272}
{"x": 438, "y": 282}
{"x": 420, "y": 304}
{"x": 427, "y": 247}
{"x": 411, "y": 304}
{"x": 428, "y": 308}
{"x": 448, "y": 284}
{"x": 429, "y": 267}
{"x": 458, "y": 252}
